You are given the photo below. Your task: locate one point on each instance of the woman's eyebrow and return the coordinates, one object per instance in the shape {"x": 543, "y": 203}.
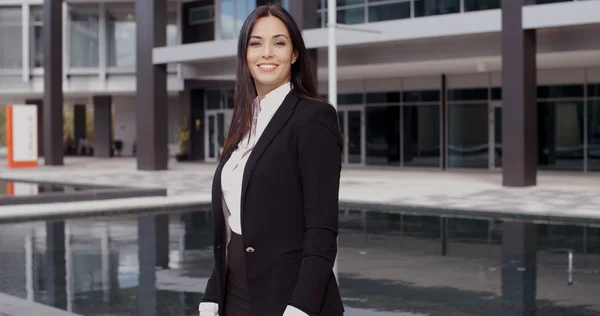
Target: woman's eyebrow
{"x": 274, "y": 36}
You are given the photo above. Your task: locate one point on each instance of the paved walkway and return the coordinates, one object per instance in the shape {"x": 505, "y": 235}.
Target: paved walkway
{"x": 14, "y": 306}
{"x": 557, "y": 194}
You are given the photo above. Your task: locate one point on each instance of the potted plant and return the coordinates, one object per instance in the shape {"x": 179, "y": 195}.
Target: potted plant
{"x": 183, "y": 141}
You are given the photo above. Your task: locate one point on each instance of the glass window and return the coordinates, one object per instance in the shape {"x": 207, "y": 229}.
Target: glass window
{"x": 354, "y": 137}
{"x": 468, "y": 135}
{"x": 84, "y": 35}
{"x": 351, "y": 16}
{"x": 200, "y": 15}
{"x": 383, "y": 135}
{"x": 227, "y": 29}
{"x": 347, "y": 98}
{"x": 211, "y": 136}
{"x": 560, "y": 135}
{"x": 213, "y": 99}
{"x": 394, "y": 11}
{"x": 341, "y": 3}
{"x": 229, "y": 98}
{"x": 11, "y": 38}
{"x": 551, "y": 1}
{"x": 421, "y": 96}
{"x": 233, "y": 15}
{"x": 321, "y": 18}
{"x": 121, "y": 35}
{"x": 562, "y": 91}
{"x": 383, "y": 97}
{"x": 593, "y": 135}
{"x": 172, "y": 31}
{"x": 436, "y": 7}
{"x": 37, "y": 27}
{"x": 468, "y": 94}
{"x": 476, "y": 5}
{"x": 350, "y": 98}
{"x": 496, "y": 93}
{"x": 421, "y": 135}
{"x": 242, "y": 10}
{"x": 593, "y": 90}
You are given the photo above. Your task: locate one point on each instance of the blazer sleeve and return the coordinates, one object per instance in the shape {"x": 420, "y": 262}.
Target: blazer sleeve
{"x": 319, "y": 162}
{"x": 210, "y": 294}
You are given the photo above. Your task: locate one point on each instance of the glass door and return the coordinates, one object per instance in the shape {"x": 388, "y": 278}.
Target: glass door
{"x": 217, "y": 128}
{"x": 353, "y": 130}
{"x": 495, "y": 135}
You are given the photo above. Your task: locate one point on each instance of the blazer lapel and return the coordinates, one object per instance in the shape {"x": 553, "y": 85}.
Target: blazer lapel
{"x": 281, "y": 116}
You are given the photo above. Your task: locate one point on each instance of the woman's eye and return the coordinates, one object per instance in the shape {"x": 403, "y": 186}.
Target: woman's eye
{"x": 254, "y": 43}
{"x": 280, "y": 43}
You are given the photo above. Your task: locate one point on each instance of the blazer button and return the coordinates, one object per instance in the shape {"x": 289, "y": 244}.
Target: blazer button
{"x": 219, "y": 246}
{"x": 249, "y": 249}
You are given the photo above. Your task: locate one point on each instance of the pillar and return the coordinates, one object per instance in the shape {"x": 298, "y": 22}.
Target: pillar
{"x": 151, "y": 98}
{"x": 40, "y": 126}
{"x": 79, "y": 123}
{"x": 56, "y": 265}
{"x": 153, "y": 251}
{"x": 303, "y": 13}
{"x": 53, "y": 80}
{"x": 519, "y": 123}
{"x": 519, "y": 274}
{"x": 102, "y": 126}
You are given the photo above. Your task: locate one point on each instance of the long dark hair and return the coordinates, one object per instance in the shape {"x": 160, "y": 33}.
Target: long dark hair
{"x": 303, "y": 84}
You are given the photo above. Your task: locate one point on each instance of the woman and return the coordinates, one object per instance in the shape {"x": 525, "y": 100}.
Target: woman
{"x": 275, "y": 190}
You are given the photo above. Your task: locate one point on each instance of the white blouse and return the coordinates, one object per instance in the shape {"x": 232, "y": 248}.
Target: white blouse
{"x": 233, "y": 171}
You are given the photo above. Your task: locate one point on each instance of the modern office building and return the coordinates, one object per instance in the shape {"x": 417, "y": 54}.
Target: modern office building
{"x": 421, "y": 83}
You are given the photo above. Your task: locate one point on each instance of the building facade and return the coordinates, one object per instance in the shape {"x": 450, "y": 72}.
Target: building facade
{"x": 421, "y": 84}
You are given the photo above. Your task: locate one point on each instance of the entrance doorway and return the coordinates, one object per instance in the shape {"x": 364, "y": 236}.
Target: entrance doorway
{"x": 217, "y": 128}
{"x": 495, "y": 135}
{"x": 352, "y": 125}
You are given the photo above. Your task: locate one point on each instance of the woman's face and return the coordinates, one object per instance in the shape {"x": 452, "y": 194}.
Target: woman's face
{"x": 270, "y": 54}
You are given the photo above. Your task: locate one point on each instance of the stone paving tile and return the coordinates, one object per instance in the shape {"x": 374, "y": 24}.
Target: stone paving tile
{"x": 565, "y": 193}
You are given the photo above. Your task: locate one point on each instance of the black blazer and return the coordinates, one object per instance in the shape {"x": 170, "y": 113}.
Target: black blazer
{"x": 289, "y": 213}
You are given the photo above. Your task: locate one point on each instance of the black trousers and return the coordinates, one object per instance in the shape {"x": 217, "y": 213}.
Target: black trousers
{"x": 236, "y": 299}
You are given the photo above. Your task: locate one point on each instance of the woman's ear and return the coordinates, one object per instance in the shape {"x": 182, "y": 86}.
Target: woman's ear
{"x": 294, "y": 56}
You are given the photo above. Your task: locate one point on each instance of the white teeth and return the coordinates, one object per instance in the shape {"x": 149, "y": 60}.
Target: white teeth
{"x": 267, "y": 66}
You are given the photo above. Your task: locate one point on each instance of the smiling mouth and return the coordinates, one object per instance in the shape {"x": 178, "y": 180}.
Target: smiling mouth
{"x": 267, "y": 66}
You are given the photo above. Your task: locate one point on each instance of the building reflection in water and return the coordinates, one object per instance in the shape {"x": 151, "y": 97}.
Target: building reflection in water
{"x": 389, "y": 263}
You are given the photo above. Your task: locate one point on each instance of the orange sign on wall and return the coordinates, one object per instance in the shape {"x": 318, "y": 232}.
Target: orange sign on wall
{"x": 21, "y": 136}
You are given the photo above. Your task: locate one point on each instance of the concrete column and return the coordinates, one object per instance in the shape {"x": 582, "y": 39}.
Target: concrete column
{"x": 40, "y": 109}
{"x": 56, "y": 265}
{"x": 519, "y": 123}
{"x": 151, "y": 98}
{"x": 53, "y": 79}
{"x": 79, "y": 123}
{"x": 519, "y": 261}
{"x": 102, "y": 126}
{"x": 303, "y": 13}
{"x": 153, "y": 240}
